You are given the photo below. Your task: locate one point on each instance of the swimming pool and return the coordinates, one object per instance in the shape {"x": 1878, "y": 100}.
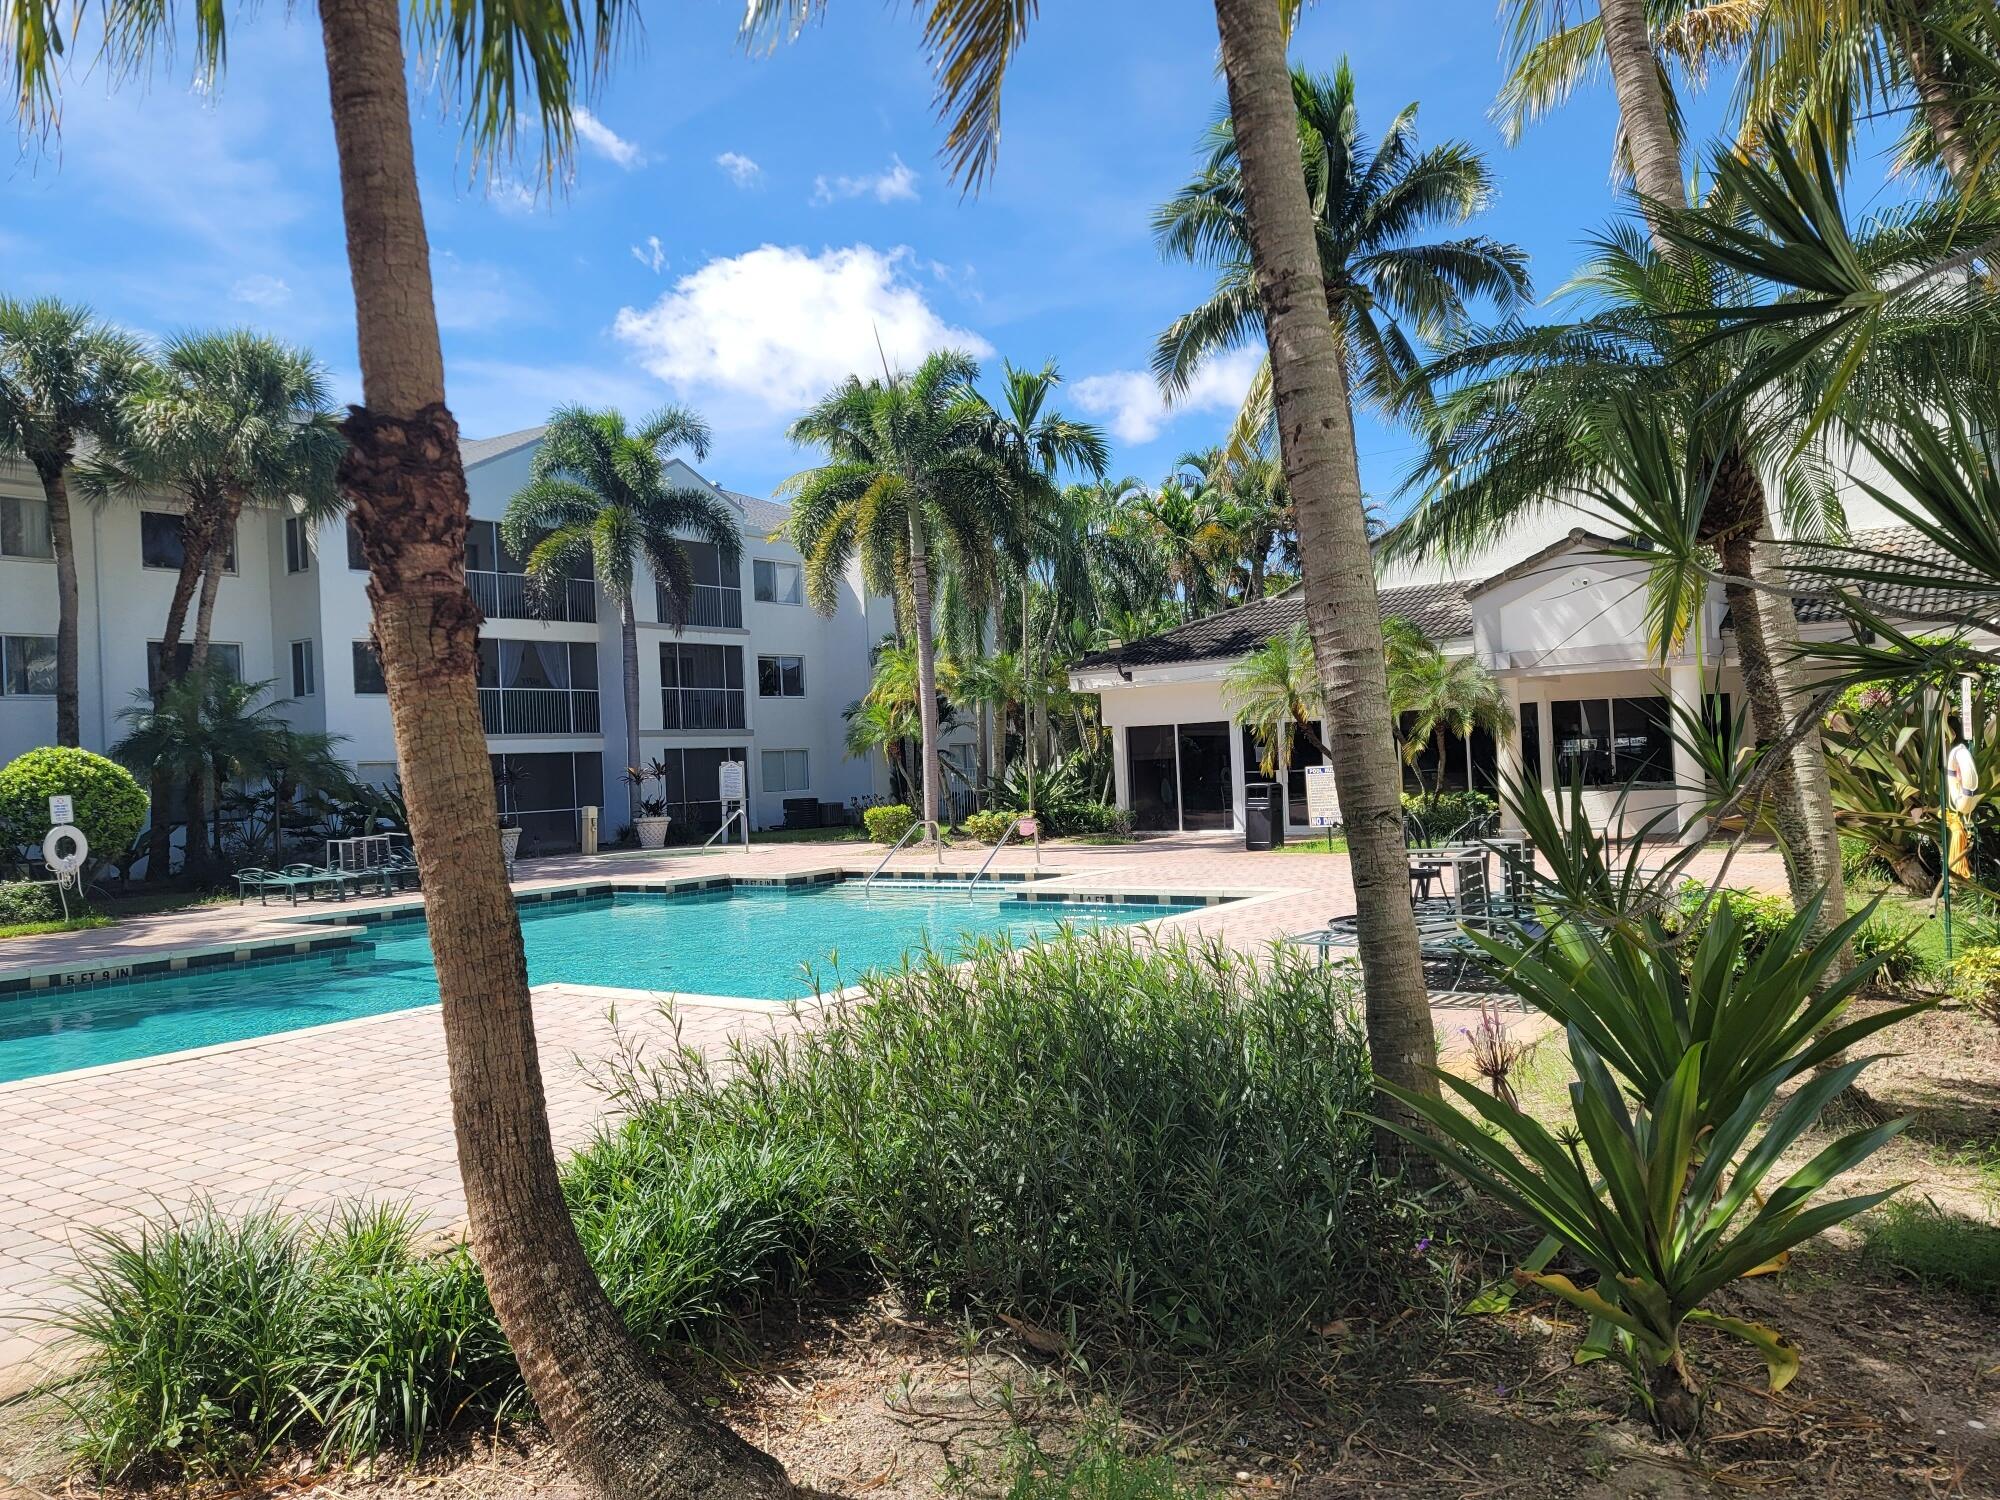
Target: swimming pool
{"x": 751, "y": 942}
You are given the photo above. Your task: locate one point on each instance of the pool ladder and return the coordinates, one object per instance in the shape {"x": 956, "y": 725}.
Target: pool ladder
{"x": 895, "y": 848}
{"x": 1012, "y": 829}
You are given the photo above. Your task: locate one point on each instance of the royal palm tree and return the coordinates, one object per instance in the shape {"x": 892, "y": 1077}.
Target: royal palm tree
{"x": 64, "y": 375}
{"x": 1387, "y": 285}
{"x": 907, "y": 488}
{"x": 1034, "y": 444}
{"x": 597, "y": 502}
{"x": 226, "y": 421}
{"x": 624, "y": 1428}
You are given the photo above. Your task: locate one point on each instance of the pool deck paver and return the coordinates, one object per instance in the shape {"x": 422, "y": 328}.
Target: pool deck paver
{"x": 361, "y": 1109}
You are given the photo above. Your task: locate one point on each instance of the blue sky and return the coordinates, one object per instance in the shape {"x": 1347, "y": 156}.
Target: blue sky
{"x": 739, "y": 226}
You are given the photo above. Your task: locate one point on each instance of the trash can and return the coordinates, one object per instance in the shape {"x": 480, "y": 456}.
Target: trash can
{"x": 1262, "y": 816}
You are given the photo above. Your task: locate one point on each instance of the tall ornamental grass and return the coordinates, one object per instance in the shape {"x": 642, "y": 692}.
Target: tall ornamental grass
{"x": 1139, "y": 1150}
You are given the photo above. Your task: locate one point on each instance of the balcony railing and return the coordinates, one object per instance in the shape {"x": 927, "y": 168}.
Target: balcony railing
{"x": 509, "y": 596}
{"x": 539, "y": 710}
{"x": 702, "y": 708}
{"x": 712, "y": 605}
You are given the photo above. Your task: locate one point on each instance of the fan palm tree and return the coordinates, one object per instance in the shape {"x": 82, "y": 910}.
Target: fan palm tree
{"x": 597, "y": 501}
{"x": 1386, "y": 286}
{"x": 225, "y": 420}
{"x": 64, "y": 375}
{"x": 907, "y": 488}
{"x": 623, "y": 1428}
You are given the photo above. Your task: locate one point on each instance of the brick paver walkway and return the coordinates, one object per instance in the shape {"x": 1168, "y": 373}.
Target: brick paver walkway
{"x": 362, "y": 1109}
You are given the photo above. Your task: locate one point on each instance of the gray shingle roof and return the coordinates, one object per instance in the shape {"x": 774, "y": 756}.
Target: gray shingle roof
{"x": 760, "y": 517}
{"x": 1437, "y": 609}
{"x": 1891, "y": 600}
{"x": 478, "y": 450}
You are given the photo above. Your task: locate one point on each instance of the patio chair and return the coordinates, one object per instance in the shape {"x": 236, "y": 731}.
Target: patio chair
{"x": 263, "y": 882}
{"x": 315, "y": 878}
{"x": 398, "y": 869}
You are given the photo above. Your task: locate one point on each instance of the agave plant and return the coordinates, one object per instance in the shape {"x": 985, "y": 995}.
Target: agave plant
{"x": 1662, "y": 1200}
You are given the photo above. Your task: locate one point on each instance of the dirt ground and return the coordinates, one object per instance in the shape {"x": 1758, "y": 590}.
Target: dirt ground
{"x": 1898, "y": 1394}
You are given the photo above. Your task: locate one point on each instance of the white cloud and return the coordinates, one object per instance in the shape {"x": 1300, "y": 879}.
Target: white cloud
{"x": 741, "y": 169}
{"x": 605, "y": 141}
{"x": 652, "y": 255}
{"x": 1131, "y": 402}
{"x": 780, "y": 327}
{"x": 896, "y": 182}
{"x": 510, "y": 195}
{"x": 261, "y": 290}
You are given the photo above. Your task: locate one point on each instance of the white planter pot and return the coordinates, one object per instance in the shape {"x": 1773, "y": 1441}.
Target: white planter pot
{"x": 652, "y": 832}
{"x": 510, "y": 843}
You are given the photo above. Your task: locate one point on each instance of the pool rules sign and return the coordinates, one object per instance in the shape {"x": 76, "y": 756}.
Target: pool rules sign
{"x": 1322, "y": 807}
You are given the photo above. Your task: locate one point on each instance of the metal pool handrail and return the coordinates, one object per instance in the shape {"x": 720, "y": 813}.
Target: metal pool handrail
{"x": 723, "y": 829}
{"x": 1012, "y": 829}
{"x": 917, "y": 827}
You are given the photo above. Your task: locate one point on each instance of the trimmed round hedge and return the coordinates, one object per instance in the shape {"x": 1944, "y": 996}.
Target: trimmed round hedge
{"x": 110, "y": 804}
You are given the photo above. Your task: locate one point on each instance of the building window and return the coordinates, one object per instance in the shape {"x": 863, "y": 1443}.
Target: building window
{"x": 718, "y": 589}
{"x": 1613, "y": 741}
{"x": 777, "y": 582}
{"x": 298, "y": 544}
{"x": 303, "y": 684}
{"x": 368, "y": 678}
{"x": 701, "y": 686}
{"x": 28, "y": 666}
{"x": 692, "y": 789}
{"x": 786, "y": 771}
{"x": 224, "y": 655}
{"x": 356, "y": 562}
{"x": 1531, "y": 743}
{"x": 781, "y": 677}
{"x": 160, "y": 542}
{"x": 24, "y": 527}
{"x": 543, "y": 792}
{"x": 538, "y": 687}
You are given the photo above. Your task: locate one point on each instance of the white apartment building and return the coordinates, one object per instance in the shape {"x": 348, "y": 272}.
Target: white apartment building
{"x": 756, "y": 675}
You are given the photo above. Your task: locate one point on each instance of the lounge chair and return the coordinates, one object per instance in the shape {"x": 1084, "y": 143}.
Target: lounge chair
{"x": 263, "y": 882}
{"x": 315, "y": 878}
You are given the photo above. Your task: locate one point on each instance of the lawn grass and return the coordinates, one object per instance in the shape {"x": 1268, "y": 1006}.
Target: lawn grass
{"x": 1306, "y": 844}
{"x": 1916, "y": 1239}
{"x": 811, "y": 836}
{"x": 37, "y": 929}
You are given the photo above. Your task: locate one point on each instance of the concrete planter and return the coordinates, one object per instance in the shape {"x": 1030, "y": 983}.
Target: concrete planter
{"x": 510, "y": 843}
{"x": 652, "y": 832}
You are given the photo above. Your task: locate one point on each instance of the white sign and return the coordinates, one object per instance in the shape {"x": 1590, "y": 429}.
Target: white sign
{"x": 61, "y": 809}
{"x": 1322, "y": 808}
{"x": 732, "y": 781}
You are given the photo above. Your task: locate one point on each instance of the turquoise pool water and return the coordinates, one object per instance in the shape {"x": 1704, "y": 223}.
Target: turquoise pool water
{"x": 754, "y": 942}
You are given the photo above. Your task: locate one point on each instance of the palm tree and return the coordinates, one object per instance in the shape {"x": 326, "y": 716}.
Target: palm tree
{"x": 597, "y": 502}
{"x": 225, "y": 420}
{"x": 623, "y": 1427}
{"x": 64, "y": 375}
{"x": 1385, "y": 285}
{"x": 1033, "y": 444}
{"x": 1275, "y": 692}
{"x": 1190, "y": 542}
{"x": 907, "y": 487}
{"x": 878, "y": 726}
{"x": 1438, "y": 698}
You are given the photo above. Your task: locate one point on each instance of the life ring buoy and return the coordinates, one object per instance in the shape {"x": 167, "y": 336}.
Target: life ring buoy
{"x": 64, "y": 864}
{"x": 1962, "y": 775}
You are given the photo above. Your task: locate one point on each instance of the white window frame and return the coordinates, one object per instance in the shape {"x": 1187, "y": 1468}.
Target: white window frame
{"x": 311, "y": 674}
{"x": 781, "y": 657}
{"x": 298, "y": 545}
{"x": 757, "y": 567}
{"x": 786, "y": 785}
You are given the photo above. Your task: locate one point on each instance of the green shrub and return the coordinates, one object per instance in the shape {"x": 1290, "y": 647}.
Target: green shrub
{"x": 1096, "y": 1467}
{"x": 887, "y": 824}
{"x": 1916, "y": 1239}
{"x": 1885, "y": 939}
{"x": 1138, "y": 1147}
{"x": 1974, "y": 977}
{"x": 1761, "y": 918}
{"x": 1086, "y": 818}
{"x": 110, "y": 805}
{"x": 989, "y": 826}
{"x": 27, "y": 901}
{"x": 1450, "y": 815}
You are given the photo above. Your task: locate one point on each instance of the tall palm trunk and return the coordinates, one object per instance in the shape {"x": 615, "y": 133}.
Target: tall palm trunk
{"x": 197, "y": 530}
{"x": 1316, "y": 438}
{"x": 617, "y": 1421}
{"x": 1767, "y": 628}
{"x": 62, "y": 542}
{"x": 927, "y": 709}
{"x": 1943, "y": 110}
{"x": 628, "y": 646}
{"x": 1642, "y": 104}
{"x": 211, "y": 581}
{"x": 1027, "y": 682}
